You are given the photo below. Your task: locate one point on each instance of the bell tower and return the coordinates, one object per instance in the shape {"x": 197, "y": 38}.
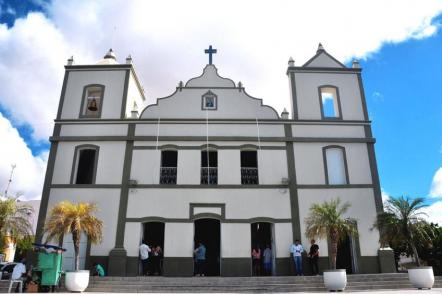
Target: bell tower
{"x": 105, "y": 90}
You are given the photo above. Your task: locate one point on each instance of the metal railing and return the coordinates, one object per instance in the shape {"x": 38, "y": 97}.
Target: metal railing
{"x": 209, "y": 175}
{"x": 249, "y": 175}
{"x": 168, "y": 175}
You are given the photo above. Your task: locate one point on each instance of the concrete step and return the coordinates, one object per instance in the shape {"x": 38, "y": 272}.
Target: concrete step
{"x": 248, "y": 284}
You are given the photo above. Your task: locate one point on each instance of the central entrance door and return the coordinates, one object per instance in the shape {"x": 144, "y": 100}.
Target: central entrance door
{"x": 208, "y": 232}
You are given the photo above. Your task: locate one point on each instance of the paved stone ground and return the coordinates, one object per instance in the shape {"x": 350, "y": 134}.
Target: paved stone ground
{"x": 434, "y": 290}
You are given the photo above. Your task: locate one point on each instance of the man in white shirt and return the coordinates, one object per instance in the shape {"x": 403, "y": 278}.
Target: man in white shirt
{"x": 144, "y": 256}
{"x": 297, "y": 249}
{"x": 18, "y": 272}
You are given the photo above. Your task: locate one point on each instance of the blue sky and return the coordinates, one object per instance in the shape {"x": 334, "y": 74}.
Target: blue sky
{"x": 404, "y": 101}
{"x": 399, "y": 53}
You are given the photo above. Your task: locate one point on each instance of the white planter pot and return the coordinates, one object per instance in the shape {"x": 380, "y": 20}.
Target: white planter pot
{"x": 335, "y": 280}
{"x": 77, "y": 281}
{"x": 421, "y": 277}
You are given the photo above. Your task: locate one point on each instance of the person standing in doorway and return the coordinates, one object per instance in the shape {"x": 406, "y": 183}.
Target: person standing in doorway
{"x": 144, "y": 256}
{"x": 200, "y": 260}
{"x": 256, "y": 260}
{"x": 267, "y": 256}
{"x": 313, "y": 257}
{"x": 297, "y": 249}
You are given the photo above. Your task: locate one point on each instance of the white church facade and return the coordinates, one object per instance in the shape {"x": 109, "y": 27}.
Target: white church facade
{"x": 211, "y": 164}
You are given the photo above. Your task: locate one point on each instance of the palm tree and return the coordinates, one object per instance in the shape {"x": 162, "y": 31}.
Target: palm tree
{"x": 69, "y": 218}
{"x": 325, "y": 220}
{"x": 14, "y": 219}
{"x": 402, "y": 222}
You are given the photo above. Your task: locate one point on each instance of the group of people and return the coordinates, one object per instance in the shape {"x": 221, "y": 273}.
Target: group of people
{"x": 151, "y": 259}
{"x": 262, "y": 260}
{"x": 296, "y": 250}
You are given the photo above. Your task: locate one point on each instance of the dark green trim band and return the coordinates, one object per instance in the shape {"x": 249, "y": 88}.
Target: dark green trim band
{"x": 375, "y": 177}
{"x": 294, "y": 97}
{"x": 148, "y": 219}
{"x": 348, "y": 186}
{"x": 323, "y": 69}
{"x": 46, "y": 187}
{"x": 160, "y": 186}
{"x": 230, "y": 147}
{"x": 213, "y": 121}
{"x": 122, "y": 211}
{"x": 155, "y": 186}
{"x": 294, "y": 205}
{"x": 214, "y": 138}
{"x": 62, "y": 95}
{"x": 363, "y": 100}
{"x": 85, "y": 186}
{"x": 124, "y": 100}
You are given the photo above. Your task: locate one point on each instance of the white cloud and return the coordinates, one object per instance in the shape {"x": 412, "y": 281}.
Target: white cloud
{"x": 434, "y": 212}
{"x": 436, "y": 185}
{"x": 385, "y": 196}
{"x": 29, "y": 172}
{"x": 166, "y": 39}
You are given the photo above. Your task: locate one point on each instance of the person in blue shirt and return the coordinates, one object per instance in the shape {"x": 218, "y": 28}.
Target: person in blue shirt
{"x": 200, "y": 259}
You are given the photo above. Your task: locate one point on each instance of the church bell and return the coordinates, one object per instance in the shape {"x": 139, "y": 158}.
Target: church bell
{"x": 92, "y": 106}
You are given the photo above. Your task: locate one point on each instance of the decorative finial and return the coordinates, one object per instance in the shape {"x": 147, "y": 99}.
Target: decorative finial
{"x": 320, "y": 48}
{"x": 180, "y": 85}
{"x": 71, "y": 60}
{"x": 240, "y": 86}
{"x": 355, "y": 64}
{"x": 129, "y": 59}
{"x": 291, "y": 61}
{"x": 285, "y": 114}
{"x": 110, "y": 54}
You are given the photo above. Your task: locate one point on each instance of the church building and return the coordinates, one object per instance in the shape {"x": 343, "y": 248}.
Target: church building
{"x": 212, "y": 164}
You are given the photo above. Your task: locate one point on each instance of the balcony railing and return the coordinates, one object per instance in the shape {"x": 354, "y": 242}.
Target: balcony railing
{"x": 168, "y": 175}
{"x": 249, "y": 176}
{"x": 209, "y": 175}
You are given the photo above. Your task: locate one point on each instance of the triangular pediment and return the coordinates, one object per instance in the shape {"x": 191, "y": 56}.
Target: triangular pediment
{"x": 323, "y": 59}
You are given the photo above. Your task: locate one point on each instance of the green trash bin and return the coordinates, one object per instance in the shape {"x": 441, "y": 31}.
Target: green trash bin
{"x": 50, "y": 266}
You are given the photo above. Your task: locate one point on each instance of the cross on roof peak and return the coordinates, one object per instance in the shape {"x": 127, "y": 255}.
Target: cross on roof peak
{"x": 210, "y": 51}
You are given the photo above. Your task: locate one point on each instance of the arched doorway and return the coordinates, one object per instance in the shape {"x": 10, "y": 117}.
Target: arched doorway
{"x": 208, "y": 232}
{"x": 153, "y": 236}
{"x": 262, "y": 236}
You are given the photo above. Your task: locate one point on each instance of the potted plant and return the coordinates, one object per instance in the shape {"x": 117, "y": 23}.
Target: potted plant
{"x": 402, "y": 222}
{"x": 69, "y": 218}
{"x": 325, "y": 220}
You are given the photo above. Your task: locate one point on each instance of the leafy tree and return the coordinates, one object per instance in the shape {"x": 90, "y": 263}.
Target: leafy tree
{"x": 326, "y": 220}
{"x": 69, "y": 218}
{"x": 23, "y": 245}
{"x": 402, "y": 224}
{"x": 14, "y": 219}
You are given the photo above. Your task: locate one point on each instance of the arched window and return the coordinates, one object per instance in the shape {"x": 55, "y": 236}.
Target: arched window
{"x": 249, "y": 167}
{"x": 209, "y": 167}
{"x": 169, "y": 159}
{"x": 329, "y": 102}
{"x": 85, "y": 164}
{"x": 335, "y": 164}
{"x": 91, "y": 104}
